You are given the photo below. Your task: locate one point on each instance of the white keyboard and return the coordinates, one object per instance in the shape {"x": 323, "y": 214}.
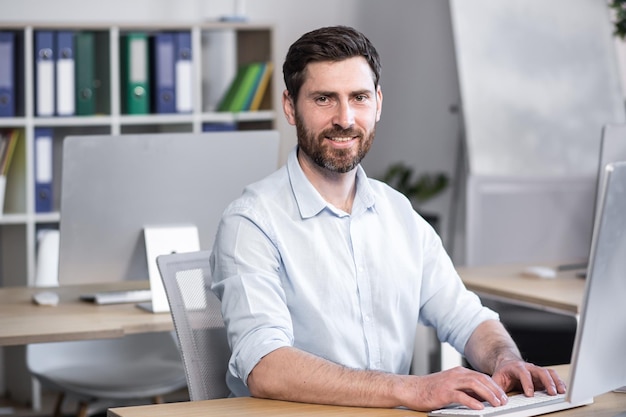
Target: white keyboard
{"x": 118, "y": 297}
{"x": 518, "y": 406}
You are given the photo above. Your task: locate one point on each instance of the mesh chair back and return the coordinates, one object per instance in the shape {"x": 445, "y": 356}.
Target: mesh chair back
{"x": 198, "y": 322}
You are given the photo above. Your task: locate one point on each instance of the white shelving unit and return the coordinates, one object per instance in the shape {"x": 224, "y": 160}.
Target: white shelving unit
{"x": 20, "y": 222}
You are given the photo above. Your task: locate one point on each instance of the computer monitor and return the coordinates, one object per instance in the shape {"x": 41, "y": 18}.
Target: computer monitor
{"x": 599, "y": 354}
{"x": 612, "y": 149}
{"x": 114, "y": 186}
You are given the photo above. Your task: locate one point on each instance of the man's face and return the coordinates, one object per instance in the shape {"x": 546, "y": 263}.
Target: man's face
{"x": 336, "y": 113}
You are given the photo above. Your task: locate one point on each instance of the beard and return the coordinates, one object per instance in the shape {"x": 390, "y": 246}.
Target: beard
{"x": 334, "y": 160}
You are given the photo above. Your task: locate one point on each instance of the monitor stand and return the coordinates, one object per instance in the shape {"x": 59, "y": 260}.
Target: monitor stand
{"x": 161, "y": 240}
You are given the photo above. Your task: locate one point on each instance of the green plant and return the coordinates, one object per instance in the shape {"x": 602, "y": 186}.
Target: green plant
{"x": 419, "y": 189}
{"x": 619, "y": 7}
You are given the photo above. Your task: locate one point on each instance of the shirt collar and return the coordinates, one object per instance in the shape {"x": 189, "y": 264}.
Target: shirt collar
{"x": 309, "y": 200}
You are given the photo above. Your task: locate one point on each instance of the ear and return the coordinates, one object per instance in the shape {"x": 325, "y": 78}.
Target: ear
{"x": 379, "y": 102}
{"x": 289, "y": 108}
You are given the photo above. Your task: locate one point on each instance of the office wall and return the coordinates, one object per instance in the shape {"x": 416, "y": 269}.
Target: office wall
{"x": 539, "y": 80}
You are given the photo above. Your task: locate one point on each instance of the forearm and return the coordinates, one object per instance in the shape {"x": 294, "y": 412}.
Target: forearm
{"x": 294, "y": 375}
{"x": 490, "y": 345}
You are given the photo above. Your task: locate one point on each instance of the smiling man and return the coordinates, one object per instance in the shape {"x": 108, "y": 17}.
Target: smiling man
{"x": 324, "y": 273}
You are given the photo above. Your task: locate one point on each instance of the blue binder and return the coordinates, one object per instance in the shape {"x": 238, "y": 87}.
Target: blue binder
{"x": 7, "y": 74}
{"x": 219, "y": 126}
{"x": 163, "y": 78}
{"x": 44, "y": 73}
{"x": 43, "y": 170}
{"x": 65, "y": 74}
{"x": 184, "y": 81}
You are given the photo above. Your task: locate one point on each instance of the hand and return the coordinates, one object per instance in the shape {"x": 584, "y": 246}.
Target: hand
{"x": 519, "y": 375}
{"x": 458, "y": 385}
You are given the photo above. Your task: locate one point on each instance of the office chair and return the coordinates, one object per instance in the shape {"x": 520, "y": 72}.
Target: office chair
{"x": 105, "y": 372}
{"x": 198, "y": 321}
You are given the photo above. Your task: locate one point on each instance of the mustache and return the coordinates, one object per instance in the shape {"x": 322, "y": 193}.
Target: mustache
{"x": 342, "y": 133}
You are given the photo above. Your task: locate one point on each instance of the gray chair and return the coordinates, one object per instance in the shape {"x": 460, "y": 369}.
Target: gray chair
{"x": 104, "y": 373}
{"x": 198, "y": 321}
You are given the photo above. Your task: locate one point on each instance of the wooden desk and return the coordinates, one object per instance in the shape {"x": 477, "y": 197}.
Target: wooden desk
{"x": 23, "y": 322}
{"x": 608, "y": 405}
{"x": 562, "y": 294}
{"x": 250, "y": 407}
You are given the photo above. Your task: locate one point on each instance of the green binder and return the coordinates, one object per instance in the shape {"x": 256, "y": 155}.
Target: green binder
{"x": 248, "y": 87}
{"x": 85, "y": 66}
{"x": 135, "y": 81}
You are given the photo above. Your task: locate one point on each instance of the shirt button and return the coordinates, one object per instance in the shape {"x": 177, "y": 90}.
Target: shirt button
{"x": 367, "y": 319}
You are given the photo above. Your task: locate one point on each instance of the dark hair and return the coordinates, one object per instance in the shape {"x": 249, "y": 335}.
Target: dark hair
{"x": 334, "y": 43}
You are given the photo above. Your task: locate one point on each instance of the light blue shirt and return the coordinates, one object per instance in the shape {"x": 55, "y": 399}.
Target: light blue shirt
{"x": 293, "y": 270}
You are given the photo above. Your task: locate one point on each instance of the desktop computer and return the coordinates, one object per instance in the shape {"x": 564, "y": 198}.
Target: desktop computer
{"x": 598, "y": 358}
{"x": 115, "y": 187}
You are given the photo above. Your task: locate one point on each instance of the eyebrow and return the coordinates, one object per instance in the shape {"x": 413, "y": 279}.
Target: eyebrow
{"x": 334, "y": 94}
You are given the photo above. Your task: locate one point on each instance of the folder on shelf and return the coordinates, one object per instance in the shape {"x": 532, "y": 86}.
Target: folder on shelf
{"x": 244, "y": 93}
{"x": 102, "y": 73}
{"x": 261, "y": 86}
{"x": 84, "y": 90}
{"x": 219, "y": 126}
{"x": 253, "y": 83}
{"x": 135, "y": 73}
{"x": 163, "y": 76}
{"x": 183, "y": 71}
{"x": 65, "y": 73}
{"x": 3, "y": 187}
{"x": 8, "y": 142}
{"x": 7, "y": 74}
{"x": 226, "y": 101}
{"x": 44, "y": 73}
{"x": 240, "y": 90}
{"x": 43, "y": 170}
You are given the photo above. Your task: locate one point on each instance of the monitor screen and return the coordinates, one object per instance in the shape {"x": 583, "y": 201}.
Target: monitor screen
{"x": 113, "y": 186}
{"x": 612, "y": 149}
{"x": 599, "y": 355}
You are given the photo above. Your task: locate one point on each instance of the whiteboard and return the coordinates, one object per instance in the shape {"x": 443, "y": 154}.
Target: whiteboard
{"x": 538, "y": 80}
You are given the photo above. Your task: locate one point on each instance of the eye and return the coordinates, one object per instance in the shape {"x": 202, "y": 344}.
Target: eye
{"x": 322, "y": 100}
{"x": 361, "y": 97}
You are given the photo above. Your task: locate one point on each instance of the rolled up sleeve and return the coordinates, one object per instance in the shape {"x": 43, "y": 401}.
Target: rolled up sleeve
{"x": 246, "y": 279}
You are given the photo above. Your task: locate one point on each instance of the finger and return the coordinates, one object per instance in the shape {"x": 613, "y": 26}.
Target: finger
{"x": 551, "y": 381}
{"x": 470, "y": 401}
{"x": 487, "y": 390}
{"x": 526, "y": 380}
{"x": 561, "y": 386}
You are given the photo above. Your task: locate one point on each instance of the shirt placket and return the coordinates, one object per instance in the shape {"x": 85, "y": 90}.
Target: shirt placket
{"x": 365, "y": 295}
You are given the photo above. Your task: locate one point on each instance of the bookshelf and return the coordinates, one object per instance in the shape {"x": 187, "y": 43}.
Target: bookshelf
{"x": 217, "y": 50}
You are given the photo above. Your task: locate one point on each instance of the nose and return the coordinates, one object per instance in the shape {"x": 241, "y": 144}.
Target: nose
{"x": 344, "y": 115}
